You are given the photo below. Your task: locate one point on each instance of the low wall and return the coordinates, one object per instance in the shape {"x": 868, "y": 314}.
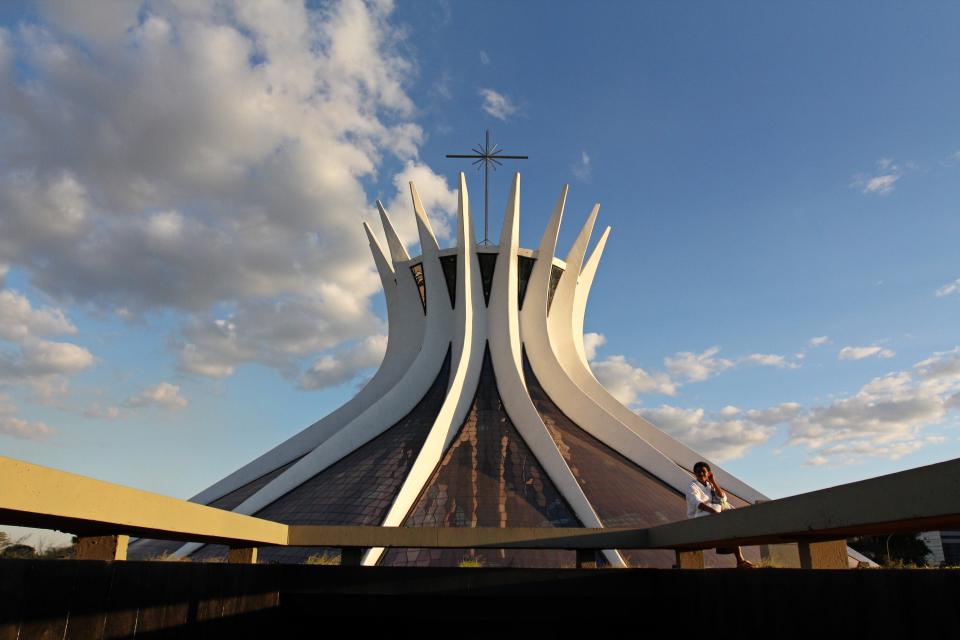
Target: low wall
{"x": 89, "y": 599}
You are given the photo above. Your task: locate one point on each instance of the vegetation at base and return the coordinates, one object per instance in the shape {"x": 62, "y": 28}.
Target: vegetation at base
{"x": 896, "y": 551}
{"x": 471, "y": 562}
{"x": 16, "y": 549}
{"x": 168, "y": 556}
{"x": 325, "y": 558}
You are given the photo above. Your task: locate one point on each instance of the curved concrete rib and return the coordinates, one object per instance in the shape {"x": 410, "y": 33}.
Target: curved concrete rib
{"x": 566, "y": 329}
{"x": 470, "y": 334}
{"x": 505, "y": 352}
{"x": 397, "y": 251}
{"x": 394, "y": 404}
{"x": 567, "y": 395}
{"x": 405, "y": 325}
{"x": 582, "y": 292}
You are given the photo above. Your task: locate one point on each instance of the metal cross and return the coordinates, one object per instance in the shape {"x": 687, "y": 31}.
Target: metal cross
{"x": 488, "y": 156}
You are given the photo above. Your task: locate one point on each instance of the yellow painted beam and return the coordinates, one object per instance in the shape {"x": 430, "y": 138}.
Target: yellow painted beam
{"x": 31, "y": 495}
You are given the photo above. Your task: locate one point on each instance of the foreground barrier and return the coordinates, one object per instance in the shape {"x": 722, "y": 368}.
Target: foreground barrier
{"x": 104, "y": 514}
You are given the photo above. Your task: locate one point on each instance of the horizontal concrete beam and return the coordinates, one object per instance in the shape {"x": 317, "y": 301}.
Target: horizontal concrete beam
{"x": 35, "y": 496}
{"x": 921, "y": 499}
{"x": 468, "y": 537}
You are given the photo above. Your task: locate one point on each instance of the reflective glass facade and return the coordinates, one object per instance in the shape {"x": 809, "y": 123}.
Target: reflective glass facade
{"x": 488, "y": 478}
{"x": 449, "y": 264}
{"x": 488, "y": 263}
{"x": 622, "y": 493}
{"x": 417, "y": 271}
{"x": 524, "y": 269}
{"x": 357, "y": 489}
{"x": 145, "y": 548}
{"x": 555, "y": 274}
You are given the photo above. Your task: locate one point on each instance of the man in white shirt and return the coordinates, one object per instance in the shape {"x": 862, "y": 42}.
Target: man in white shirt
{"x": 705, "y": 497}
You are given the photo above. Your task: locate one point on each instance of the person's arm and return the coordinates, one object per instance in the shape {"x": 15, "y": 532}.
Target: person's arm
{"x": 716, "y": 488}
{"x": 705, "y": 506}
{"x": 703, "y": 499}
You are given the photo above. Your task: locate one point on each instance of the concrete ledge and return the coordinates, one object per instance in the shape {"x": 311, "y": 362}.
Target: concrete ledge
{"x": 36, "y": 496}
{"x": 899, "y": 502}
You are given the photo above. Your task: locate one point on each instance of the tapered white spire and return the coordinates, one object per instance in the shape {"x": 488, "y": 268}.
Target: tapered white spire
{"x": 397, "y": 251}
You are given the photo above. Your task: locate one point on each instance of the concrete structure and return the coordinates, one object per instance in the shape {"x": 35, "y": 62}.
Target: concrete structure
{"x": 483, "y": 413}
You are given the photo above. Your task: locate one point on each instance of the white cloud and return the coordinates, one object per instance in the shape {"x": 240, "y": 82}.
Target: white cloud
{"x": 279, "y": 334}
{"x": 197, "y": 158}
{"x": 96, "y": 411}
{"x": 16, "y": 427}
{"x": 337, "y": 368}
{"x": 27, "y": 358}
{"x": 949, "y": 288}
{"x": 818, "y": 341}
{"x": 882, "y": 183}
{"x": 582, "y": 170}
{"x": 439, "y": 201}
{"x": 591, "y": 342}
{"x": 20, "y": 321}
{"x": 625, "y": 382}
{"x": 859, "y": 353}
{"x": 769, "y": 360}
{"x": 687, "y": 366}
{"x": 484, "y": 57}
{"x": 885, "y": 417}
{"x": 163, "y": 395}
{"x": 497, "y": 104}
{"x": 724, "y": 436}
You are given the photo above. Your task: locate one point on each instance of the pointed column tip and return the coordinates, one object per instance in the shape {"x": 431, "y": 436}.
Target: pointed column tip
{"x": 398, "y": 252}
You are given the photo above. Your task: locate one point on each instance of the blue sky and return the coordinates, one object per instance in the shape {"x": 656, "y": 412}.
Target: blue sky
{"x": 187, "y": 281}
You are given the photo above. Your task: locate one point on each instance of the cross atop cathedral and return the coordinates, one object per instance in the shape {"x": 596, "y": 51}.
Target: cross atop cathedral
{"x": 488, "y": 156}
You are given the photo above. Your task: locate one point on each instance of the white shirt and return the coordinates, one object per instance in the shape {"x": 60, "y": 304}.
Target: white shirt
{"x": 698, "y": 494}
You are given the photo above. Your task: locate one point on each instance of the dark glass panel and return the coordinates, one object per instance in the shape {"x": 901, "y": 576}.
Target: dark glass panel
{"x": 555, "y": 273}
{"x": 524, "y": 269}
{"x": 235, "y": 498}
{"x": 145, "y": 548}
{"x": 622, "y": 493}
{"x": 449, "y": 264}
{"x": 356, "y": 490}
{"x": 417, "y": 270}
{"x": 488, "y": 478}
{"x": 488, "y": 262}
{"x": 148, "y": 549}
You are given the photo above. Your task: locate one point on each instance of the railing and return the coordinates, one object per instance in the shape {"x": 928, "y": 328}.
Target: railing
{"x": 103, "y": 515}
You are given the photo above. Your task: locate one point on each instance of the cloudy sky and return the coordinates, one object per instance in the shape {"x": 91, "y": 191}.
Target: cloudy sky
{"x": 184, "y": 280}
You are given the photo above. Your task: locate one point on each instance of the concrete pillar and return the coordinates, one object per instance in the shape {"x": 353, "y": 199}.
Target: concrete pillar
{"x": 101, "y": 547}
{"x": 586, "y": 559}
{"x": 242, "y": 555}
{"x": 690, "y": 559}
{"x": 830, "y": 554}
